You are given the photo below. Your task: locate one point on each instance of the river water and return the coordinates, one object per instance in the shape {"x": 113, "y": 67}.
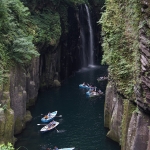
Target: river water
{"x": 82, "y": 121}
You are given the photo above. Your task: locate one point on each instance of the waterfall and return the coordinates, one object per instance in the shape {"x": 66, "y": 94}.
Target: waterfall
{"x": 86, "y": 36}
{"x": 91, "y": 43}
{"x": 82, "y": 36}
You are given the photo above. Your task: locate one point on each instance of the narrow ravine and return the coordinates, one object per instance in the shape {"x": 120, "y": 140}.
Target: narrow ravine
{"x": 82, "y": 122}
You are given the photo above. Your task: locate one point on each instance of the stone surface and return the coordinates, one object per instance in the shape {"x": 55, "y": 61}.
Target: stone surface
{"x": 131, "y": 132}
{"x": 28, "y": 116}
{"x": 142, "y": 132}
{"x": 113, "y": 113}
{"x": 56, "y": 83}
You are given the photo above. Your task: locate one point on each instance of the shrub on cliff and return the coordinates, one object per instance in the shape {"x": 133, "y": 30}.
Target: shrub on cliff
{"x": 120, "y": 43}
{"x": 9, "y": 146}
{"x": 6, "y": 147}
{"x": 16, "y": 40}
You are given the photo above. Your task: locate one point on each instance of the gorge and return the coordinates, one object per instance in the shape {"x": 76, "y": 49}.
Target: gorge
{"x": 125, "y": 41}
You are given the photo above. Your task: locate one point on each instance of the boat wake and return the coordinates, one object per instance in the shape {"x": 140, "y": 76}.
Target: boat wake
{"x": 36, "y": 117}
{"x": 61, "y": 131}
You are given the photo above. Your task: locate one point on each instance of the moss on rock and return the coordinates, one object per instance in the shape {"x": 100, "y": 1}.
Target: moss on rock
{"x": 19, "y": 125}
{"x": 56, "y": 83}
{"x": 28, "y": 116}
{"x": 31, "y": 102}
{"x": 9, "y": 126}
{"x": 127, "y": 113}
{"x": 2, "y": 125}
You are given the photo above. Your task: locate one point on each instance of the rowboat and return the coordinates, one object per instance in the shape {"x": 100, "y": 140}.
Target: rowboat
{"x": 72, "y": 148}
{"x": 84, "y": 86}
{"x": 94, "y": 94}
{"x": 50, "y": 126}
{"x": 49, "y": 117}
{"x": 90, "y": 91}
{"x": 88, "y": 87}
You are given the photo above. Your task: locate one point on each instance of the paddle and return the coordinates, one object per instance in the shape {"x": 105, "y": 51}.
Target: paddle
{"x": 56, "y": 130}
{"x": 42, "y": 124}
{"x": 59, "y": 116}
{"x": 38, "y": 116}
{"x": 23, "y": 147}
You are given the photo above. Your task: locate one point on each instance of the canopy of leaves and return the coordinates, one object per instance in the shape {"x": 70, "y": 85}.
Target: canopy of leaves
{"x": 16, "y": 42}
{"x": 47, "y": 27}
{"x": 45, "y": 17}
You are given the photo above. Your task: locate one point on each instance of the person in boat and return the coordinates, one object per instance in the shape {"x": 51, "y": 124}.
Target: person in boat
{"x": 53, "y": 123}
{"x": 100, "y": 92}
{"x": 46, "y": 117}
{"x": 49, "y": 125}
{"x": 88, "y": 84}
{"x": 49, "y": 114}
{"x": 95, "y": 88}
{"x": 56, "y": 148}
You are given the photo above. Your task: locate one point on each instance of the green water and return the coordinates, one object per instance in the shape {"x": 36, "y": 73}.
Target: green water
{"x": 82, "y": 121}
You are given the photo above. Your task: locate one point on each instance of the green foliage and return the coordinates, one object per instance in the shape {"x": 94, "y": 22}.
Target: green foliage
{"x": 6, "y": 147}
{"x": 23, "y": 49}
{"x": 4, "y": 107}
{"x": 47, "y": 27}
{"x": 46, "y": 16}
{"x": 120, "y": 23}
{"x": 9, "y": 146}
{"x": 16, "y": 40}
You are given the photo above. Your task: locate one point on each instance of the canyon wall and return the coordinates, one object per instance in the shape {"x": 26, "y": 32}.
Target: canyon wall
{"x": 127, "y": 101}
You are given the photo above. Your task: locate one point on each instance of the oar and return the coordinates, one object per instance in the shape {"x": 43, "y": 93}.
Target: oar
{"x": 59, "y": 116}
{"x": 23, "y": 147}
{"x": 41, "y": 124}
{"x": 56, "y": 130}
{"x": 38, "y": 116}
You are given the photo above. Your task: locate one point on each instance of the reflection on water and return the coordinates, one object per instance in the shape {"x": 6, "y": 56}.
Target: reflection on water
{"x": 82, "y": 121}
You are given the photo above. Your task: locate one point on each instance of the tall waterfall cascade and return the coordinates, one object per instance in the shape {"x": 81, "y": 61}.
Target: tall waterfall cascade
{"x": 91, "y": 43}
{"x": 86, "y": 37}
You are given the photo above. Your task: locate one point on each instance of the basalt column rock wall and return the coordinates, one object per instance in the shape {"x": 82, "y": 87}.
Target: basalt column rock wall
{"x": 24, "y": 85}
{"x": 17, "y": 93}
{"x": 128, "y": 125}
{"x": 128, "y": 117}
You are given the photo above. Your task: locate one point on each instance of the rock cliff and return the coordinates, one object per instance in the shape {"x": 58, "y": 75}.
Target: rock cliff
{"x": 127, "y": 103}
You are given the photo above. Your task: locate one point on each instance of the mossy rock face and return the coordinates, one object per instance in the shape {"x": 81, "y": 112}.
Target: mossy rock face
{"x": 9, "y": 126}
{"x": 56, "y": 83}
{"x": 110, "y": 100}
{"x": 129, "y": 108}
{"x": 28, "y": 116}
{"x": 19, "y": 125}
{"x": 111, "y": 134}
{"x": 6, "y": 86}
{"x": 2, "y": 125}
{"x": 8, "y": 132}
{"x": 31, "y": 102}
